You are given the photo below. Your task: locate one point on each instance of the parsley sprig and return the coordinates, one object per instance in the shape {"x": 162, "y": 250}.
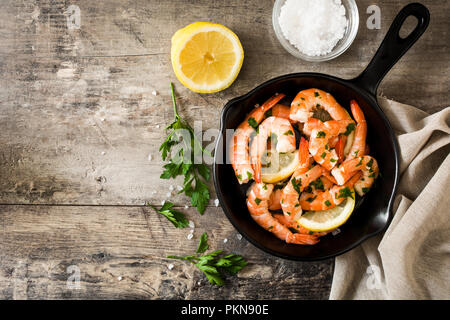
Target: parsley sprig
{"x": 186, "y": 161}
{"x": 214, "y": 264}
{"x": 177, "y": 218}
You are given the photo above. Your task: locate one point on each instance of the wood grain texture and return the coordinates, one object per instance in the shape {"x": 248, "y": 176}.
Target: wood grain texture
{"x": 39, "y": 243}
{"x": 78, "y": 122}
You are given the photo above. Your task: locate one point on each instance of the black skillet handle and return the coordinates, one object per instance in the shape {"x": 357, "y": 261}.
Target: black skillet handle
{"x": 393, "y": 47}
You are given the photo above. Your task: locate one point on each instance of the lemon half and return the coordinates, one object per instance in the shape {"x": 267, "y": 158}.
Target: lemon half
{"x": 328, "y": 219}
{"x": 206, "y": 57}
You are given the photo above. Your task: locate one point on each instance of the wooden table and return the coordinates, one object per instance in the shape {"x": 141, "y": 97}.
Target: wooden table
{"x": 80, "y": 131}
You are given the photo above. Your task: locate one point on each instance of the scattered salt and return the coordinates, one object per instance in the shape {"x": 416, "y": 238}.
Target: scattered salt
{"x": 335, "y": 231}
{"x": 314, "y": 27}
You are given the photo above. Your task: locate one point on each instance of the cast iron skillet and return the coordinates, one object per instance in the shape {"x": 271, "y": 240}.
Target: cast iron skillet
{"x": 375, "y": 211}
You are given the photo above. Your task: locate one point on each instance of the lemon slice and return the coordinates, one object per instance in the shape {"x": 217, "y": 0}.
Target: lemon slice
{"x": 328, "y": 219}
{"x": 279, "y": 166}
{"x": 349, "y": 143}
{"x": 206, "y": 57}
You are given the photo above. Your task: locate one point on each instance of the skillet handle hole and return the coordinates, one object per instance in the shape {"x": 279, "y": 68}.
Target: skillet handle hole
{"x": 408, "y": 27}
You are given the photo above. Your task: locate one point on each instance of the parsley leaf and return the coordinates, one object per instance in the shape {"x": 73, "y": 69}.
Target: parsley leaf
{"x": 252, "y": 122}
{"x": 318, "y": 184}
{"x": 351, "y": 127}
{"x": 213, "y": 264}
{"x": 203, "y": 245}
{"x": 344, "y": 193}
{"x": 178, "y": 219}
{"x": 186, "y": 160}
{"x": 321, "y": 134}
{"x": 297, "y": 184}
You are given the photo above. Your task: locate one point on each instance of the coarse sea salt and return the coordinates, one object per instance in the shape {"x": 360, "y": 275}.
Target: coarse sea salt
{"x": 314, "y": 27}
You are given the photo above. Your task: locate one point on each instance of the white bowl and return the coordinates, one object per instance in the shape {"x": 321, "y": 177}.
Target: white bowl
{"x": 351, "y": 12}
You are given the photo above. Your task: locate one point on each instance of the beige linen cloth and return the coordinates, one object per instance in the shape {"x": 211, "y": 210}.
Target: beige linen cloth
{"x": 411, "y": 260}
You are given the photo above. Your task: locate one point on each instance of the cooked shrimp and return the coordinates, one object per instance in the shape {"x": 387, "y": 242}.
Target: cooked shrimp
{"x": 281, "y": 111}
{"x": 359, "y": 144}
{"x": 366, "y": 164}
{"x": 328, "y": 176}
{"x": 239, "y": 154}
{"x": 290, "y": 193}
{"x": 340, "y": 147}
{"x": 278, "y": 129}
{"x": 258, "y": 206}
{"x": 275, "y": 200}
{"x": 320, "y": 184}
{"x": 301, "y": 179}
{"x": 319, "y": 142}
{"x": 324, "y": 200}
{"x": 303, "y": 105}
{"x": 291, "y": 224}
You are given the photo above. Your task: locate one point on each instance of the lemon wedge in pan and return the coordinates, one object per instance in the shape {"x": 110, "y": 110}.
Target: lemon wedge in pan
{"x": 279, "y": 166}
{"x": 330, "y": 219}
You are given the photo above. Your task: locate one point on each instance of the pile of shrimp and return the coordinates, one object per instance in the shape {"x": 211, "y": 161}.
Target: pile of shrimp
{"x": 325, "y": 176}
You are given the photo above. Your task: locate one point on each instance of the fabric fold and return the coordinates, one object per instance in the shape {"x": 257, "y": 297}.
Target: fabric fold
{"x": 411, "y": 260}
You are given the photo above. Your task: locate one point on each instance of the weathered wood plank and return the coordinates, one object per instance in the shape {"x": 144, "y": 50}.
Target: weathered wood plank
{"x": 39, "y": 243}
